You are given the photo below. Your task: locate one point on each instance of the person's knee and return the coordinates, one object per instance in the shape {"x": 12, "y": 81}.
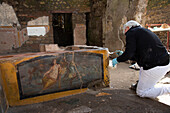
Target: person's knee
{"x": 147, "y": 93}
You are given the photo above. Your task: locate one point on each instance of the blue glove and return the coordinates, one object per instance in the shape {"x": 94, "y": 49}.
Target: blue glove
{"x": 119, "y": 52}
{"x": 114, "y": 62}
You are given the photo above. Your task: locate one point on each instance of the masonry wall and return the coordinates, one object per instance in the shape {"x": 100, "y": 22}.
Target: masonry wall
{"x": 117, "y": 14}
{"x": 95, "y": 28}
{"x": 28, "y": 10}
{"x": 158, "y": 12}
{"x": 31, "y": 9}
{"x": 107, "y": 18}
{"x": 104, "y": 19}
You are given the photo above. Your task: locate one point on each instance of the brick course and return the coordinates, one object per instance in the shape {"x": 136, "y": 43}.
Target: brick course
{"x": 27, "y": 10}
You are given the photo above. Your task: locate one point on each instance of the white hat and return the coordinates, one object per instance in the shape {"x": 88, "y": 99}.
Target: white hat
{"x": 130, "y": 24}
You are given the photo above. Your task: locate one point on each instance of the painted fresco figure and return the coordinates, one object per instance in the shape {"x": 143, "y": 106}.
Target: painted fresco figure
{"x": 52, "y": 75}
{"x": 33, "y": 74}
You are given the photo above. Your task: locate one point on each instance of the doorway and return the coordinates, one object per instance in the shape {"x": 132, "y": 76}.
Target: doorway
{"x": 62, "y": 29}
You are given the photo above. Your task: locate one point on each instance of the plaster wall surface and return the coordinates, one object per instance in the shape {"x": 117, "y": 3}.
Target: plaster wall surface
{"x": 117, "y": 14}
{"x": 27, "y": 13}
{"x": 80, "y": 34}
{"x": 11, "y": 38}
{"x": 44, "y": 20}
{"x": 7, "y": 15}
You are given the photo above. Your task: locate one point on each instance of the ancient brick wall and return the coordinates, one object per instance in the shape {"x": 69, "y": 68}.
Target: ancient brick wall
{"x": 95, "y": 28}
{"x": 28, "y": 10}
{"x": 107, "y": 18}
{"x": 79, "y": 28}
{"x": 158, "y": 12}
{"x": 117, "y": 14}
{"x": 104, "y": 22}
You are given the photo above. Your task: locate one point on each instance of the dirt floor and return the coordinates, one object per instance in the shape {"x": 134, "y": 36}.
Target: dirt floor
{"x": 116, "y": 99}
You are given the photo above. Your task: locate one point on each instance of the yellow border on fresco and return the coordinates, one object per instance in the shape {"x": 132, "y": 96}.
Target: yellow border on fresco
{"x": 11, "y": 88}
{"x": 6, "y": 27}
{"x": 105, "y": 63}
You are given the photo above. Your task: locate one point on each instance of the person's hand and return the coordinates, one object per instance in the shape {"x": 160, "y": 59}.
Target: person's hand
{"x": 119, "y": 52}
{"x": 114, "y": 62}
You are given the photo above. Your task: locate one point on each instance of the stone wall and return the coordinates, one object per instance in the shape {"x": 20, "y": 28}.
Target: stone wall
{"x": 107, "y": 18}
{"x": 158, "y": 12}
{"x": 117, "y": 14}
{"x": 95, "y": 28}
{"x": 104, "y": 18}
{"x": 79, "y": 28}
{"x": 25, "y": 11}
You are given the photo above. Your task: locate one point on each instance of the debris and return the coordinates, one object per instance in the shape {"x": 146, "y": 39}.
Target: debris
{"x": 96, "y": 85}
{"x": 92, "y": 92}
{"x": 102, "y": 94}
{"x": 164, "y": 26}
{"x": 103, "y": 100}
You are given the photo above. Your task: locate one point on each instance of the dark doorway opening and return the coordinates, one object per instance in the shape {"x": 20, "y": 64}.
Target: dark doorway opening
{"x": 62, "y": 29}
{"x": 87, "y": 28}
